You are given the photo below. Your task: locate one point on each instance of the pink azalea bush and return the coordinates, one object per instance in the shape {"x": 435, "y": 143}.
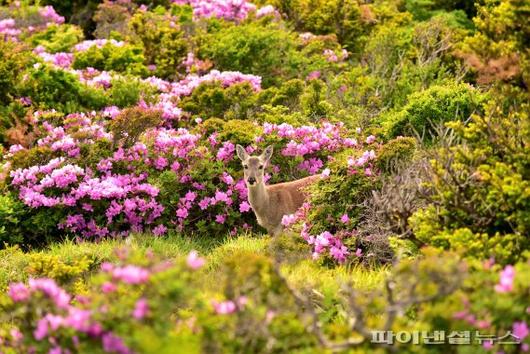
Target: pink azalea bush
{"x": 69, "y": 323}
{"x": 234, "y": 10}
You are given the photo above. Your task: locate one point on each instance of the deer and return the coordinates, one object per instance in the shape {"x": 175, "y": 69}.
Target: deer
{"x": 271, "y": 202}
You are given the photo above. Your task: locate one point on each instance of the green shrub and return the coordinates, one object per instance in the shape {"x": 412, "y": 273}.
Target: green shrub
{"x": 341, "y": 17}
{"x": 164, "y": 43}
{"x": 21, "y": 226}
{"x": 341, "y": 193}
{"x": 58, "y": 38}
{"x": 51, "y": 88}
{"x": 480, "y": 188}
{"x": 130, "y": 123}
{"x": 212, "y": 100}
{"x": 396, "y": 153}
{"x": 426, "y": 109}
{"x": 265, "y": 50}
{"x": 126, "y": 59}
{"x": 129, "y": 90}
{"x": 13, "y": 60}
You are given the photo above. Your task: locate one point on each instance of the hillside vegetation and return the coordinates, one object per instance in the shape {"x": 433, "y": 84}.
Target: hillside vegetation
{"x": 125, "y": 225}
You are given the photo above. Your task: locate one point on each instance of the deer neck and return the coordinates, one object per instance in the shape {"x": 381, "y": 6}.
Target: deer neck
{"x": 259, "y": 198}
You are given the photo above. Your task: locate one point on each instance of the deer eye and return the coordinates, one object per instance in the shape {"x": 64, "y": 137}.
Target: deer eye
{"x": 261, "y": 167}
{"x": 245, "y": 167}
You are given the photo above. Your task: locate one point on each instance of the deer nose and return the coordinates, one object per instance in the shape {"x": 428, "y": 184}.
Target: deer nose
{"x": 251, "y": 180}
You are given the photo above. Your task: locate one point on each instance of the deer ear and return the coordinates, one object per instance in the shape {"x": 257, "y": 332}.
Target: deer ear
{"x": 241, "y": 153}
{"x": 267, "y": 153}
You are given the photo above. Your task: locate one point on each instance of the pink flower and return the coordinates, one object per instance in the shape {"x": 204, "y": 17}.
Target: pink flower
{"x": 520, "y": 330}
{"x": 359, "y": 252}
{"x": 16, "y": 335}
{"x": 288, "y": 220}
{"x": 182, "y": 213}
{"x": 108, "y": 287}
{"x": 313, "y": 75}
{"x": 141, "y": 309}
{"x": 194, "y": 261}
{"x": 160, "y": 230}
{"x": 345, "y": 219}
{"x": 18, "y": 292}
{"x": 220, "y": 218}
{"x": 488, "y": 344}
{"x": 224, "y": 308}
{"x": 325, "y": 173}
{"x": 131, "y": 274}
{"x": 190, "y": 196}
{"x": 266, "y": 10}
{"x": 203, "y": 204}
{"x": 506, "y": 280}
{"x": 244, "y": 207}
{"x": 42, "y": 329}
{"x": 370, "y": 139}
{"x": 222, "y": 197}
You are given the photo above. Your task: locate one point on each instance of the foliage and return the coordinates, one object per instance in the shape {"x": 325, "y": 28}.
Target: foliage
{"x": 262, "y": 49}
{"x": 58, "y": 38}
{"x": 327, "y": 16}
{"x": 480, "y": 188}
{"x": 123, "y": 58}
{"x": 51, "y": 88}
{"x": 164, "y": 43}
{"x": 211, "y": 100}
{"x": 13, "y": 60}
{"x": 425, "y": 110}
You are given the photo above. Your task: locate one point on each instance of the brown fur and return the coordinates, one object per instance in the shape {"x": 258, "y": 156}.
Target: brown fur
{"x": 271, "y": 203}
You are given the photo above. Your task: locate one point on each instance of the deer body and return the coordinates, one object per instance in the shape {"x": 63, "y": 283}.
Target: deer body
{"x": 271, "y": 203}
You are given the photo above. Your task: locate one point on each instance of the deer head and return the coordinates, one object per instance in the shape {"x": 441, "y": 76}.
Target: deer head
{"x": 254, "y": 166}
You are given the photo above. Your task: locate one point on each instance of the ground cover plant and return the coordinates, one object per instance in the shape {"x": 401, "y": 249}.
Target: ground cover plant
{"x": 125, "y": 221}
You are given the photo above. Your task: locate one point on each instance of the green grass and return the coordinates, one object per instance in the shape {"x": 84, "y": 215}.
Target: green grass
{"x": 301, "y": 271}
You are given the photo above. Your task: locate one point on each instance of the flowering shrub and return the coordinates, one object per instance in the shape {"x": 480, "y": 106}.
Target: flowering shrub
{"x": 51, "y": 88}
{"x": 235, "y": 10}
{"x": 143, "y": 304}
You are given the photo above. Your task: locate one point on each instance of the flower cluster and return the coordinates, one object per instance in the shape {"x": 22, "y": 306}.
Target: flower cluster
{"x": 62, "y": 315}
{"x": 233, "y": 10}
{"x": 506, "y": 280}
{"x": 121, "y": 202}
{"x": 48, "y": 13}
{"x": 99, "y": 43}
{"x": 8, "y": 29}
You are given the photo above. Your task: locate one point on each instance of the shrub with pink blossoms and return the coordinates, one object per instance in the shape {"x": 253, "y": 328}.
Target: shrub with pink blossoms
{"x": 234, "y": 10}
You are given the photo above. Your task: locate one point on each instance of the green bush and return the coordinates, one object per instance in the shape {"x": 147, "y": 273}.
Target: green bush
{"x": 341, "y": 17}
{"x": 341, "y": 193}
{"x": 164, "y": 43}
{"x": 19, "y": 225}
{"x": 129, "y": 90}
{"x": 58, "y": 38}
{"x": 427, "y": 109}
{"x": 125, "y": 59}
{"x": 212, "y": 100}
{"x": 51, "y": 88}
{"x": 480, "y": 199}
{"x": 265, "y": 50}
{"x": 13, "y": 60}
{"x": 130, "y": 123}
{"x": 396, "y": 153}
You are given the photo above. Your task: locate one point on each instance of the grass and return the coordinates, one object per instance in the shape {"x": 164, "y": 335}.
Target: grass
{"x": 298, "y": 269}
